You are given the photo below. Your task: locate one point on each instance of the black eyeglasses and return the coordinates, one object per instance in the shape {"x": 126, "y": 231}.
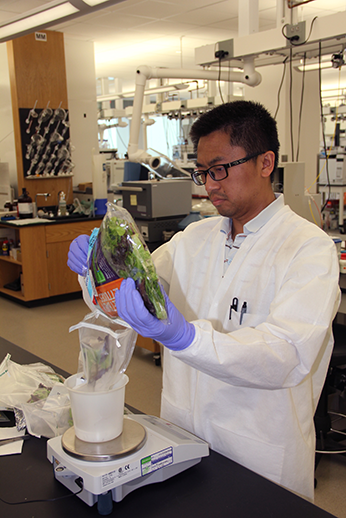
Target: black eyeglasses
{"x": 218, "y": 172}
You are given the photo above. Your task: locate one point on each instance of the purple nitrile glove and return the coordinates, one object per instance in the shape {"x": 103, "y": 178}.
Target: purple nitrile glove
{"x": 78, "y": 253}
{"x": 176, "y": 334}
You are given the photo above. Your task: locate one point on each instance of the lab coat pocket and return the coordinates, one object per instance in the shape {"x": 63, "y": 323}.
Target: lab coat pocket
{"x": 251, "y": 319}
{"x": 260, "y": 456}
{"x": 239, "y": 321}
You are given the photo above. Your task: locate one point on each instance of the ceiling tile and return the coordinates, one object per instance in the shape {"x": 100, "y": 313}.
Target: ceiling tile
{"x": 135, "y": 32}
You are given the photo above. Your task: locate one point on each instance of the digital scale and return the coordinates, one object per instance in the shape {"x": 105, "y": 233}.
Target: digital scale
{"x": 149, "y": 450}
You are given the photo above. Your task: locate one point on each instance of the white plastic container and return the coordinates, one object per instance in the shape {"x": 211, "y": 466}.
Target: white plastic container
{"x": 97, "y": 416}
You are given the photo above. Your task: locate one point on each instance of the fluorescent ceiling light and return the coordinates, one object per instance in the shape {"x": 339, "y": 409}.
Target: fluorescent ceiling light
{"x": 94, "y": 2}
{"x": 166, "y": 88}
{"x": 149, "y": 91}
{"x": 314, "y": 66}
{"x": 38, "y": 19}
{"x": 295, "y": 3}
{"x": 49, "y": 14}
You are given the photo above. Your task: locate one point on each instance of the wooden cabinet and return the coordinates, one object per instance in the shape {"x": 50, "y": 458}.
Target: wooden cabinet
{"x": 43, "y": 265}
{"x": 34, "y": 267}
{"x": 61, "y": 279}
{"x": 66, "y": 281}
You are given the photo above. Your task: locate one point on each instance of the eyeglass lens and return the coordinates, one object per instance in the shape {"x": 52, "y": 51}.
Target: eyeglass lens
{"x": 217, "y": 173}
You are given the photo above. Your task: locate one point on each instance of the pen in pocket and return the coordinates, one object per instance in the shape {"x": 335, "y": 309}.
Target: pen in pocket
{"x": 242, "y": 312}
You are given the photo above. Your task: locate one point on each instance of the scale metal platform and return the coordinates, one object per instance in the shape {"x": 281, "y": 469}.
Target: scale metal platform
{"x": 149, "y": 450}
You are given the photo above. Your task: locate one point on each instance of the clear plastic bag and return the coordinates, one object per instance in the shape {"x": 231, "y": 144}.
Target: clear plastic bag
{"x": 38, "y": 396}
{"x": 19, "y": 382}
{"x": 117, "y": 251}
{"x": 50, "y": 416}
{"x": 106, "y": 347}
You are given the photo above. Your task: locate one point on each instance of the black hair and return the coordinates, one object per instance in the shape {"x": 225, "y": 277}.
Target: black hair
{"x": 248, "y": 124}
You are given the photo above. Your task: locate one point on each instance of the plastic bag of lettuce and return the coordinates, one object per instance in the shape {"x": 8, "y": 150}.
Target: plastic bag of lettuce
{"x": 117, "y": 251}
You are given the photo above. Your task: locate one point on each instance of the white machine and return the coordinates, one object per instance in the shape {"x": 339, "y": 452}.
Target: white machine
{"x": 289, "y": 179}
{"x": 115, "y": 172}
{"x": 335, "y": 174}
{"x": 148, "y": 450}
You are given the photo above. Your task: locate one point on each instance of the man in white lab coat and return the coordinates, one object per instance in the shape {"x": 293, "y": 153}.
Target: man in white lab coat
{"x": 251, "y": 296}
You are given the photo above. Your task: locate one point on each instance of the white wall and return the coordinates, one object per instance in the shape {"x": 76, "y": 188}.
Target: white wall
{"x": 7, "y": 145}
{"x": 81, "y": 91}
{"x": 266, "y": 93}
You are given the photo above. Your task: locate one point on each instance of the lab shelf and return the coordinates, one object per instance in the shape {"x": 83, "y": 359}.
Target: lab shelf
{"x": 43, "y": 264}
{"x": 9, "y": 259}
{"x": 16, "y": 294}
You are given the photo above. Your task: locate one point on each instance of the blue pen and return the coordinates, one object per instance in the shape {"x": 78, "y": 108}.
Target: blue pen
{"x": 242, "y": 311}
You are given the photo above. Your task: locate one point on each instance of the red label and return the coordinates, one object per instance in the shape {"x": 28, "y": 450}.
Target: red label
{"x": 106, "y": 297}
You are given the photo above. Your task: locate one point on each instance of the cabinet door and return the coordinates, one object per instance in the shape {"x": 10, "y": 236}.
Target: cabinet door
{"x": 60, "y": 278}
{"x": 58, "y": 239}
{"x": 34, "y": 267}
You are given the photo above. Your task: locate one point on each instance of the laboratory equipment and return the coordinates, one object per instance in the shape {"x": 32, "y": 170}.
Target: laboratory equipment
{"x": 247, "y": 76}
{"x": 149, "y": 450}
{"x": 62, "y": 208}
{"x": 149, "y": 199}
{"x": 25, "y": 206}
{"x": 289, "y": 179}
{"x": 332, "y": 172}
{"x": 115, "y": 172}
{"x": 90, "y": 407}
{"x": 157, "y": 206}
{"x": 32, "y": 114}
{"x": 44, "y": 116}
{"x": 153, "y": 230}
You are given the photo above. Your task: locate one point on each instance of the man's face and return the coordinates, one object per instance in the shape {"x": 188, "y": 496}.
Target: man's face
{"x": 241, "y": 195}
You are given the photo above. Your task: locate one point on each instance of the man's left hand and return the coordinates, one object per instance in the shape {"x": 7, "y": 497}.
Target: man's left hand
{"x": 175, "y": 333}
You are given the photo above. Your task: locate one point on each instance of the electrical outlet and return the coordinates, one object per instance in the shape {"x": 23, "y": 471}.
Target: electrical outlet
{"x": 295, "y": 34}
{"x": 224, "y": 50}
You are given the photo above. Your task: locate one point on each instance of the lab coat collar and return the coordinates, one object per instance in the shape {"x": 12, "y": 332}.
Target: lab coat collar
{"x": 258, "y": 221}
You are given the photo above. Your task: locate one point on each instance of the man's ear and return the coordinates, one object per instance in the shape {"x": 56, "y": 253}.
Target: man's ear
{"x": 268, "y": 161}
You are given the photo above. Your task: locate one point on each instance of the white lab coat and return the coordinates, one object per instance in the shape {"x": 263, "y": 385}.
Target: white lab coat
{"x": 251, "y": 390}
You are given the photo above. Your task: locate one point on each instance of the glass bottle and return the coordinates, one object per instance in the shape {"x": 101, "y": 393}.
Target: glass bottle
{"x": 25, "y": 206}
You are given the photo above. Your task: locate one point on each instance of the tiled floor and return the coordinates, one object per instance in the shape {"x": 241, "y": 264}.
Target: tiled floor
{"x": 44, "y": 331}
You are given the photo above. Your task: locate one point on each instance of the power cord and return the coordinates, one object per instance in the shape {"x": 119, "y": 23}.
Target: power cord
{"x": 301, "y": 108}
{"x": 294, "y": 38}
{"x": 322, "y": 123}
{"x": 220, "y": 54}
{"x": 280, "y": 87}
{"x": 291, "y": 105}
{"x": 78, "y": 481}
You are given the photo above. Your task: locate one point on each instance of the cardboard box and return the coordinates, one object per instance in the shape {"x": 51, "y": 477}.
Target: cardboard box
{"x": 84, "y": 186}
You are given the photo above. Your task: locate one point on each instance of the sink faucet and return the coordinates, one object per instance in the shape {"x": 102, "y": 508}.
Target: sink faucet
{"x": 45, "y": 194}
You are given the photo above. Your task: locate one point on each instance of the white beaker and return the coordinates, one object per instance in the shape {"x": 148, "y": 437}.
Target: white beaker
{"x": 97, "y": 416}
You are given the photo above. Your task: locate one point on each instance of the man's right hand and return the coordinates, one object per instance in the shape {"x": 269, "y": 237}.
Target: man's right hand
{"x": 78, "y": 253}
